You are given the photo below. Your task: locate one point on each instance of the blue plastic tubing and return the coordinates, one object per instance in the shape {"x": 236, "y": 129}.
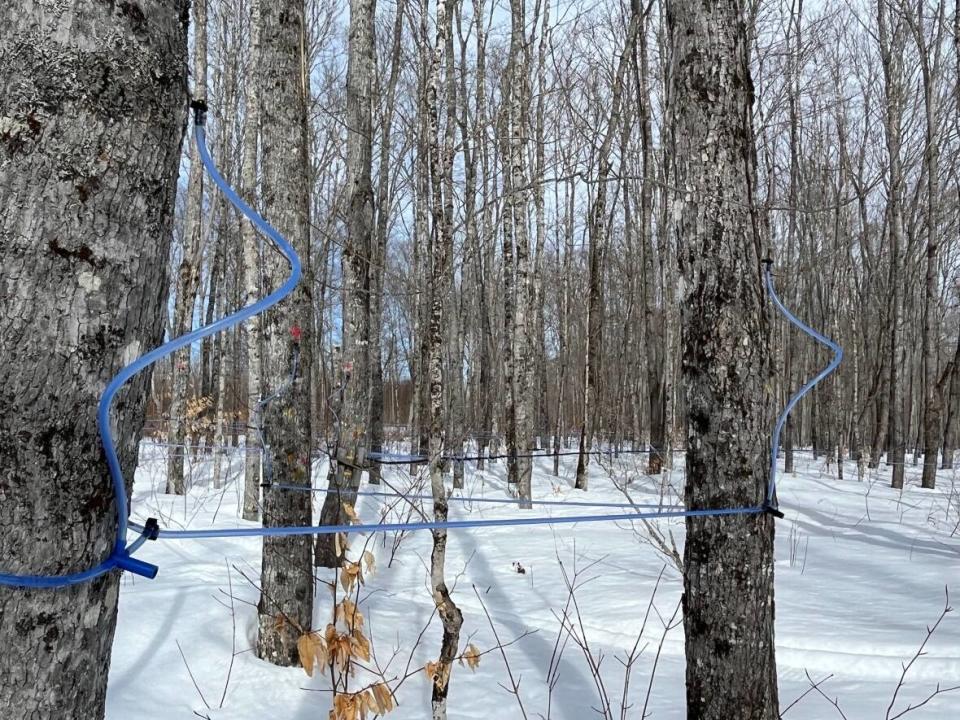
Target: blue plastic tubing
{"x": 120, "y": 555}
{"x": 831, "y": 366}
{"x": 449, "y": 524}
{"x": 471, "y": 498}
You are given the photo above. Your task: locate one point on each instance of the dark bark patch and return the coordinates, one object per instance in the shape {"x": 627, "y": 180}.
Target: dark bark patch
{"x": 86, "y": 187}
{"x": 82, "y": 253}
{"x": 50, "y": 637}
{"x": 135, "y": 16}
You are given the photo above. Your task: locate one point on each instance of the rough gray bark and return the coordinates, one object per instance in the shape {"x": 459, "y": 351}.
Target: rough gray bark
{"x": 728, "y": 562}
{"x": 952, "y": 382}
{"x": 188, "y": 274}
{"x": 355, "y": 412}
{"x": 286, "y": 599}
{"x": 92, "y": 99}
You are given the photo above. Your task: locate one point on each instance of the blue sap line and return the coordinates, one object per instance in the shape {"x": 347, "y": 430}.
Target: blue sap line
{"x": 449, "y": 524}
{"x": 120, "y": 556}
{"x": 471, "y": 498}
{"x": 808, "y": 386}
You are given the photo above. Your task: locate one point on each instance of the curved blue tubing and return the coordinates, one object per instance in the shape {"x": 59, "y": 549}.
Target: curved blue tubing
{"x": 121, "y": 555}
{"x": 808, "y": 386}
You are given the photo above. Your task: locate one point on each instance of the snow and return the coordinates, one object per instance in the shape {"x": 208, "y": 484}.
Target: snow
{"x": 861, "y": 572}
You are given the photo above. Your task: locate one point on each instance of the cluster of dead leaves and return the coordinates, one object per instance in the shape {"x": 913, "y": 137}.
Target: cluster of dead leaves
{"x": 377, "y": 699}
{"x": 355, "y": 572}
{"x": 332, "y": 647}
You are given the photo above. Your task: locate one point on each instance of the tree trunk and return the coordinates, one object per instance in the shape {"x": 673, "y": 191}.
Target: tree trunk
{"x": 89, "y": 154}
{"x": 188, "y": 274}
{"x": 950, "y": 431}
{"x": 251, "y": 275}
{"x": 891, "y": 41}
{"x": 932, "y": 399}
{"x": 441, "y": 168}
{"x": 521, "y": 334}
{"x": 728, "y": 561}
{"x": 597, "y": 232}
{"x": 286, "y": 598}
{"x": 657, "y": 369}
{"x": 379, "y": 253}
{"x": 353, "y": 432}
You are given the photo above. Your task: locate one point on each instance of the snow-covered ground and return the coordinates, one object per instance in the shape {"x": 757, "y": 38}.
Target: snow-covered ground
{"x": 861, "y": 573}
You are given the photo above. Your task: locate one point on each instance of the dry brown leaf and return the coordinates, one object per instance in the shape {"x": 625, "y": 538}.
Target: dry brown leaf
{"x": 369, "y": 563}
{"x": 349, "y": 574}
{"x": 383, "y": 698}
{"x": 348, "y": 707}
{"x": 339, "y": 648}
{"x": 349, "y": 615}
{"x": 340, "y": 544}
{"x": 472, "y": 657}
{"x": 438, "y": 672}
{"x": 359, "y": 645}
{"x": 350, "y": 512}
{"x": 313, "y": 652}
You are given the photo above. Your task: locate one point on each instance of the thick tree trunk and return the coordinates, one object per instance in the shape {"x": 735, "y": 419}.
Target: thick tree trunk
{"x": 88, "y": 166}
{"x": 950, "y": 430}
{"x": 286, "y": 599}
{"x": 728, "y": 561}
{"x": 655, "y": 344}
{"x": 932, "y": 397}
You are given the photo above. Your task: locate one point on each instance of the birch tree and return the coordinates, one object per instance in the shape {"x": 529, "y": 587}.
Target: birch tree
{"x": 441, "y": 166}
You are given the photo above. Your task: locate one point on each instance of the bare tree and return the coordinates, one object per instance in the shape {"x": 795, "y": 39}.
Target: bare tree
{"x": 251, "y": 273}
